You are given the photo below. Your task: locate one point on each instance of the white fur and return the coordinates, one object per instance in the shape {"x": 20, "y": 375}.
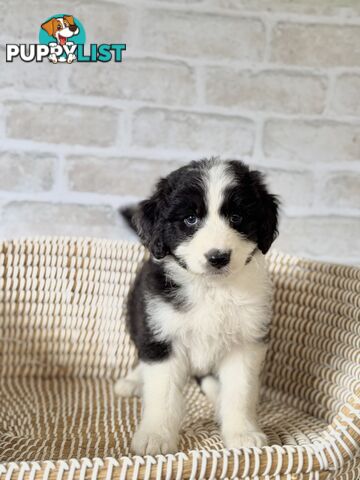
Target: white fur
{"x": 218, "y": 331}
{"x": 163, "y": 407}
{"x": 239, "y": 386}
{"x": 222, "y": 312}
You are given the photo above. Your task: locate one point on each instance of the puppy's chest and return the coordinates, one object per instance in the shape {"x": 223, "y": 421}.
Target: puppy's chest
{"x": 214, "y": 321}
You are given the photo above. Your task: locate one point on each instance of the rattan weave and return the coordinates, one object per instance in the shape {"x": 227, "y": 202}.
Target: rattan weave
{"x": 63, "y": 343}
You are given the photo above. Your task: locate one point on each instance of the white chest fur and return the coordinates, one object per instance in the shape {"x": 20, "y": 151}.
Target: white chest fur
{"x": 218, "y": 314}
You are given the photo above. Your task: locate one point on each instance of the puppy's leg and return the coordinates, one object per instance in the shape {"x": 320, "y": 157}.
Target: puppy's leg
{"x": 239, "y": 378}
{"x": 131, "y": 384}
{"x": 162, "y": 407}
{"x": 210, "y": 386}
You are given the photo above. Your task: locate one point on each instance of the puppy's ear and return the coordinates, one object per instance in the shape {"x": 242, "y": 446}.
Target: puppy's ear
{"x": 49, "y": 27}
{"x": 268, "y": 205}
{"x": 70, "y": 19}
{"x": 148, "y": 221}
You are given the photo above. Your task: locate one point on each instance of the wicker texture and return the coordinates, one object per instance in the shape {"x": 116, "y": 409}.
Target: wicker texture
{"x": 63, "y": 343}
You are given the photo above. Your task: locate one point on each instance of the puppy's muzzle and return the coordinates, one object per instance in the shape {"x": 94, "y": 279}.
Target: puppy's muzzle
{"x": 218, "y": 258}
{"x": 73, "y": 28}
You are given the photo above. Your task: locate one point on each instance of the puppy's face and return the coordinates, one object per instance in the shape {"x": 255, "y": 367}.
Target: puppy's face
{"x": 209, "y": 216}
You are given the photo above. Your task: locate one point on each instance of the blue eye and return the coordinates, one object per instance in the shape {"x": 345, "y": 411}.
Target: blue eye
{"x": 236, "y": 219}
{"x": 191, "y": 220}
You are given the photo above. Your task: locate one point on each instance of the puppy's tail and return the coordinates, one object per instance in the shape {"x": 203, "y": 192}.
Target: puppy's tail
{"x": 128, "y": 215}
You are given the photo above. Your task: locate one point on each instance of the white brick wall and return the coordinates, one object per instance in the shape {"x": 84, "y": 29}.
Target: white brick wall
{"x": 275, "y": 82}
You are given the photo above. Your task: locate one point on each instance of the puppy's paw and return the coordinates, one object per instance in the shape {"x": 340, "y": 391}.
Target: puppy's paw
{"x": 151, "y": 443}
{"x": 245, "y": 439}
{"x": 127, "y": 388}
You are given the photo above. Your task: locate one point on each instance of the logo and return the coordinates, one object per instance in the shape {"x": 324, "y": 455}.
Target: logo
{"x": 62, "y": 40}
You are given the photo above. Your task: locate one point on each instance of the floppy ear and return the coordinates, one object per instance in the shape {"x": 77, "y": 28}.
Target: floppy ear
{"x": 49, "y": 27}
{"x": 70, "y": 19}
{"x": 148, "y": 221}
{"x": 267, "y": 229}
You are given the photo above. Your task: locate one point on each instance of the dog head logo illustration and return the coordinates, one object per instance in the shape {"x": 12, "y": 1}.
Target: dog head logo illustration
{"x": 63, "y": 29}
{"x": 62, "y": 39}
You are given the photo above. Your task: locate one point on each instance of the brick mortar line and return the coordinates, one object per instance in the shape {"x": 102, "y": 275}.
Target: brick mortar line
{"x": 158, "y": 154}
{"x": 330, "y": 95}
{"x": 200, "y": 85}
{"x": 112, "y": 104}
{"x": 60, "y": 182}
{"x": 263, "y": 15}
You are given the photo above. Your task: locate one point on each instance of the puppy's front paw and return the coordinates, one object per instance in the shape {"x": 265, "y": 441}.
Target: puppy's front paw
{"x": 245, "y": 439}
{"x": 151, "y": 443}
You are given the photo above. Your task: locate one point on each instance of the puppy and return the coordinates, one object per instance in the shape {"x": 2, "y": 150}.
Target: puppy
{"x": 201, "y": 304}
{"x": 61, "y": 28}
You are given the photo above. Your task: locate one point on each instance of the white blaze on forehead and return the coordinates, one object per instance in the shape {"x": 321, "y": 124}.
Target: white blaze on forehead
{"x": 219, "y": 179}
{"x": 215, "y": 232}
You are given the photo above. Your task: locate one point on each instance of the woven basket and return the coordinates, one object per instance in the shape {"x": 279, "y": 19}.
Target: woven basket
{"x": 63, "y": 343}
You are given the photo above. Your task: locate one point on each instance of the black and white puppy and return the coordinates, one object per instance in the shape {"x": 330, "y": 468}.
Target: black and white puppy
{"x": 201, "y": 304}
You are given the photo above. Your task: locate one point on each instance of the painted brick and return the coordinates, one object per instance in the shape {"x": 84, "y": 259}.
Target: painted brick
{"x": 342, "y": 189}
{"x": 325, "y": 237}
{"x": 24, "y": 76}
{"x": 212, "y": 134}
{"x": 26, "y": 172}
{"x": 316, "y": 45}
{"x": 202, "y": 35}
{"x": 294, "y": 188}
{"x": 347, "y": 95}
{"x": 116, "y": 176}
{"x": 41, "y": 218}
{"x": 61, "y": 123}
{"x": 266, "y": 90}
{"x": 311, "y": 141}
{"x": 141, "y": 80}
{"x": 106, "y": 22}
{"x": 341, "y": 8}
{"x": 101, "y": 20}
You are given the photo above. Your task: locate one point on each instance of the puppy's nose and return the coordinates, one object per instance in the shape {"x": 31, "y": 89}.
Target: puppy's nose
{"x": 218, "y": 258}
{"x": 73, "y": 28}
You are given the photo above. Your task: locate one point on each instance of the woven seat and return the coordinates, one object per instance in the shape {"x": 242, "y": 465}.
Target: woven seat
{"x": 63, "y": 344}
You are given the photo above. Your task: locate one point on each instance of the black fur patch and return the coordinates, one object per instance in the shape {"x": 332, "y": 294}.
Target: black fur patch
{"x": 160, "y": 219}
{"x": 148, "y": 347}
{"x": 151, "y": 282}
{"x": 256, "y": 208}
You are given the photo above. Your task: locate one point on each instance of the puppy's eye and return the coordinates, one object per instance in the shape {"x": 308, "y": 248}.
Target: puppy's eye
{"x": 236, "y": 219}
{"x": 59, "y": 27}
{"x": 191, "y": 220}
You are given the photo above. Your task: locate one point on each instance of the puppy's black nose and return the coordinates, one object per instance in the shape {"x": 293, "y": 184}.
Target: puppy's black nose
{"x": 73, "y": 28}
{"x": 218, "y": 258}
